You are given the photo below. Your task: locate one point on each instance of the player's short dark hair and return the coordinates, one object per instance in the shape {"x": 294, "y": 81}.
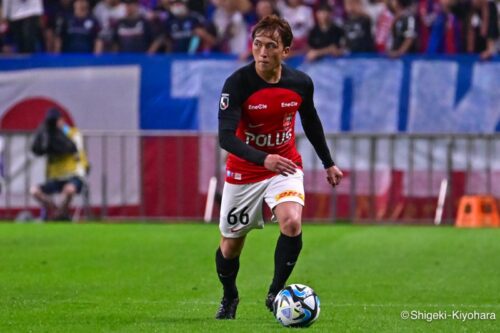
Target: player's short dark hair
{"x": 272, "y": 23}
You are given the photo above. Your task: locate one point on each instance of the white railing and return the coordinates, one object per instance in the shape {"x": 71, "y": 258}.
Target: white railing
{"x": 165, "y": 175}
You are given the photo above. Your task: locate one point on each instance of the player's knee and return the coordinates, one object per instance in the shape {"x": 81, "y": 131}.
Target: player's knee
{"x": 291, "y": 224}
{"x": 231, "y": 247}
{"x": 229, "y": 252}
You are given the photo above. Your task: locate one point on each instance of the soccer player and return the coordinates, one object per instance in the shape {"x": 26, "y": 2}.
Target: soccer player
{"x": 256, "y": 126}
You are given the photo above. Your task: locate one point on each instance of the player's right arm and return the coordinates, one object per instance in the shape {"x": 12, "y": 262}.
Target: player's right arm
{"x": 229, "y": 118}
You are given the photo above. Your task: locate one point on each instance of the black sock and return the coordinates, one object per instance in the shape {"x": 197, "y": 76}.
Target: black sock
{"x": 285, "y": 256}
{"x": 227, "y": 270}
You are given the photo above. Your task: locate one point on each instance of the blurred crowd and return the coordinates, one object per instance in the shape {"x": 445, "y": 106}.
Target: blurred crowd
{"x": 320, "y": 27}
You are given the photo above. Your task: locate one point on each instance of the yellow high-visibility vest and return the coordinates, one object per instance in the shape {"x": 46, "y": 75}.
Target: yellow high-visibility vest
{"x": 69, "y": 165}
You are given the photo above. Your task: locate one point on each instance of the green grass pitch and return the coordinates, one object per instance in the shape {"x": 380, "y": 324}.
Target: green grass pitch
{"x": 161, "y": 278}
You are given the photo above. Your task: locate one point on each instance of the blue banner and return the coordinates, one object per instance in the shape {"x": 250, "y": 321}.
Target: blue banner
{"x": 358, "y": 94}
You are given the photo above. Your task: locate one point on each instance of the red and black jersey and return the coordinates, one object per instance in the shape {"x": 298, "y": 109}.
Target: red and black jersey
{"x": 257, "y": 118}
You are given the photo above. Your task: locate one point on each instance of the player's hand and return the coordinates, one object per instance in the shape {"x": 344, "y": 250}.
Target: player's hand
{"x": 279, "y": 164}
{"x": 334, "y": 175}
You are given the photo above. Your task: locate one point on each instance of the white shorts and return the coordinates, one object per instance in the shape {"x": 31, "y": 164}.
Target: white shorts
{"x": 241, "y": 207}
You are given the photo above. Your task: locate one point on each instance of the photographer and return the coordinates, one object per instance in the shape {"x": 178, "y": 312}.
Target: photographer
{"x": 66, "y": 164}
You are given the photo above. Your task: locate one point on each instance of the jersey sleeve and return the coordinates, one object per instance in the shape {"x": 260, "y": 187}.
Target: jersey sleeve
{"x": 230, "y": 103}
{"x": 313, "y": 127}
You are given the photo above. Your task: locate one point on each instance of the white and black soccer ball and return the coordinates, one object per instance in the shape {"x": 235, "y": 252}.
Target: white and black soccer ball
{"x": 296, "y": 305}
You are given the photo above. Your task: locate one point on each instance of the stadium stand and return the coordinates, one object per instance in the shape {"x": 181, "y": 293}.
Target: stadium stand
{"x": 437, "y": 27}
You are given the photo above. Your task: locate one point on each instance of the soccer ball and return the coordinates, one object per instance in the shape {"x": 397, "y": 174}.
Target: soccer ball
{"x": 296, "y": 305}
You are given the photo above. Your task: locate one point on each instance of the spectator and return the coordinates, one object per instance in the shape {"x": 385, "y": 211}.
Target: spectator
{"x": 404, "y": 30}
{"x": 338, "y": 11}
{"x": 231, "y": 28}
{"x": 243, "y": 6}
{"x": 357, "y": 28}
{"x": 148, "y": 5}
{"x": 373, "y": 8}
{"x": 77, "y": 33}
{"x": 312, "y": 3}
{"x": 23, "y": 18}
{"x": 483, "y": 28}
{"x": 263, "y": 8}
{"x": 428, "y": 12}
{"x": 162, "y": 9}
{"x": 301, "y": 20}
{"x": 55, "y": 11}
{"x": 445, "y": 37}
{"x": 197, "y": 6}
{"x": 325, "y": 37}
{"x": 383, "y": 26}
{"x": 108, "y": 13}
{"x": 66, "y": 164}
{"x": 184, "y": 31}
{"x": 132, "y": 34}
{"x": 159, "y": 16}
{"x": 498, "y": 39}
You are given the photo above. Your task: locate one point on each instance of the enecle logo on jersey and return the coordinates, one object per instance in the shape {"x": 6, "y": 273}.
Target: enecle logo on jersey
{"x": 257, "y": 107}
{"x": 224, "y": 101}
{"x": 268, "y": 140}
{"x": 289, "y": 104}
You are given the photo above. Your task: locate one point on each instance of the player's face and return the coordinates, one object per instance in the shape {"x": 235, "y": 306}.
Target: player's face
{"x": 268, "y": 51}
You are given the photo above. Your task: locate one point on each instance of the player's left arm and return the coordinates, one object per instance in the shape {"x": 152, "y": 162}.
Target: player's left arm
{"x": 315, "y": 134}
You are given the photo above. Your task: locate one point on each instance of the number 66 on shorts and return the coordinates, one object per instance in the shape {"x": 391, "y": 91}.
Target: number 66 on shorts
{"x": 241, "y": 208}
